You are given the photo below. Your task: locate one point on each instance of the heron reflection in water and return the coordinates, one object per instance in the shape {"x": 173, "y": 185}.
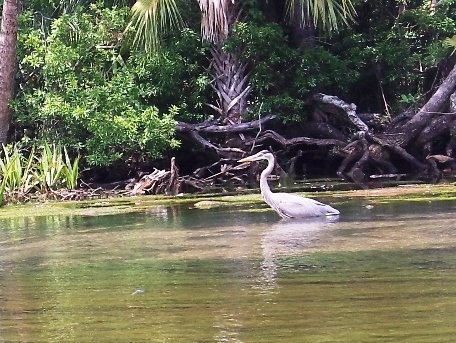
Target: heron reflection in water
{"x": 287, "y": 205}
{"x": 285, "y": 241}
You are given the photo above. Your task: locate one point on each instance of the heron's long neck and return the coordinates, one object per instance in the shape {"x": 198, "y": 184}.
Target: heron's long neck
{"x": 264, "y": 187}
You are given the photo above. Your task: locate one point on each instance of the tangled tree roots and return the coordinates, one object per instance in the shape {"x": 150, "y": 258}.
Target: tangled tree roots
{"x": 365, "y": 146}
{"x": 369, "y": 149}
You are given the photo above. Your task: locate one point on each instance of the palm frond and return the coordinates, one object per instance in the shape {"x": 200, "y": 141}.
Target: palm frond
{"x": 150, "y": 20}
{"x": 326, "y": 14}
{"x": 450, "y": 42}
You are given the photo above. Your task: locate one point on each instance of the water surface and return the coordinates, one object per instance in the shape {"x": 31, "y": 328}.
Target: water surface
{"x": 179, "y": 274}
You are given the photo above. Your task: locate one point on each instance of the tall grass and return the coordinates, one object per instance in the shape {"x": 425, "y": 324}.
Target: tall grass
{"x": 49, "y": 169}
{"x": 71, "y": 171}
{"x": 49, "y": 166}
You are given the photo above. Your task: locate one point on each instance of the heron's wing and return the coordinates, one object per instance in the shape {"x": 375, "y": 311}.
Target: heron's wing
{"x": 294, "y": 206}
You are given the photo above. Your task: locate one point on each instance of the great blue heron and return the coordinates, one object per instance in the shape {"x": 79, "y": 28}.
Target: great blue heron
{"x": 287, "y": 205}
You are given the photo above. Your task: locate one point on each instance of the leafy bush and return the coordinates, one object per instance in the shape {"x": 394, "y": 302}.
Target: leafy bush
{"x": 175, "y": 77}
{"x": 283, "y": 77}
{"x": 399, "y": 54}
{"x": 84, "y": 94}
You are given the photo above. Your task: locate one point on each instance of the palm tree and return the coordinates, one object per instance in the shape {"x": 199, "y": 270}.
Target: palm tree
{"x": 151, "y": 18}
{"x": 230, "y": 76}
{"x": 8, "y": 39}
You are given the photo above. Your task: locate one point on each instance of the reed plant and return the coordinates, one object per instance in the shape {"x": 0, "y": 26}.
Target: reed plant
{"x": 48, "y": 170}
{"x": 16, "y": 171}
{"x": 71, "y": 171}
{"x": 5, "y": 167}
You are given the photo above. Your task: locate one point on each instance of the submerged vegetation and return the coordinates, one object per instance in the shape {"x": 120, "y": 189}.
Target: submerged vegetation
{"x": 252, "y": 202}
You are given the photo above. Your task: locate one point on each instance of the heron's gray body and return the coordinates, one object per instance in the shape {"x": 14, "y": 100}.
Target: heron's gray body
{"x": 287, "y": 205}
{"x": 294, "y": 206}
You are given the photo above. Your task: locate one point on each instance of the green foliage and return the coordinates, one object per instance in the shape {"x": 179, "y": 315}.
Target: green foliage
{"x": 70, "y": 171}
{"x": 176, "y": 77}
{"x": 377, "y": 64}
{"x": 79, "y": 88}
{"x": 85, "y": 95}
{"x": 397, "y": 54}
{"x": 49, "y": 168}
{"x": 451, "y": 42}
{"x": 283, "y": 77}
{"x": 22, "y": 172}
{"x": 319, "y": 70}
{"x": 407, "y": 99}
{"x": 16, "y": 171}
{"x": 150, "y": 20}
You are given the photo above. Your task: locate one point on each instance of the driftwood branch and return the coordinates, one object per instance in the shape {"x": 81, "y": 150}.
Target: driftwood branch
{"x": 269, "y": 134}
{"x": 159, "y": 182}
{"x": 212, "y": 128}
{"x": 350, "y": 109}
{"x": 208, "y": 145}
{"x": 355, "y": 154}
{"x": 195, "y": 130}
{"x": 149, "y": 182}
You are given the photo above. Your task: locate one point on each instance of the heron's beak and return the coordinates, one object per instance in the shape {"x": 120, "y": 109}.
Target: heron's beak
{"x": 247, "y": 159}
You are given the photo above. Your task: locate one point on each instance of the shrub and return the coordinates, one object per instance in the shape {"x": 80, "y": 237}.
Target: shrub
{"x": 84, "y": 93}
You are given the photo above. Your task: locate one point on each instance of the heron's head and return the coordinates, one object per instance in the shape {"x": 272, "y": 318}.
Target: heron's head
{"x": 262, "y": 155}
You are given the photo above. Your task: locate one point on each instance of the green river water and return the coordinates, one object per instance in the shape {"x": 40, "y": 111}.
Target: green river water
{"x": 182, "y": 274}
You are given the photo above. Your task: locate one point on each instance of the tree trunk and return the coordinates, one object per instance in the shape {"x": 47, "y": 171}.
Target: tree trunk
{"x": 231, "y": 85}
{"x": 435, "y": 104}
{"x": 230, "y": 73}
{"x": 8, "y": 39}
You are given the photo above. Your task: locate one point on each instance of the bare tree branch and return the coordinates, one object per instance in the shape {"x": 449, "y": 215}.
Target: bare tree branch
{"x": 269, "y": 134}
{"x": 211, "y": 128}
